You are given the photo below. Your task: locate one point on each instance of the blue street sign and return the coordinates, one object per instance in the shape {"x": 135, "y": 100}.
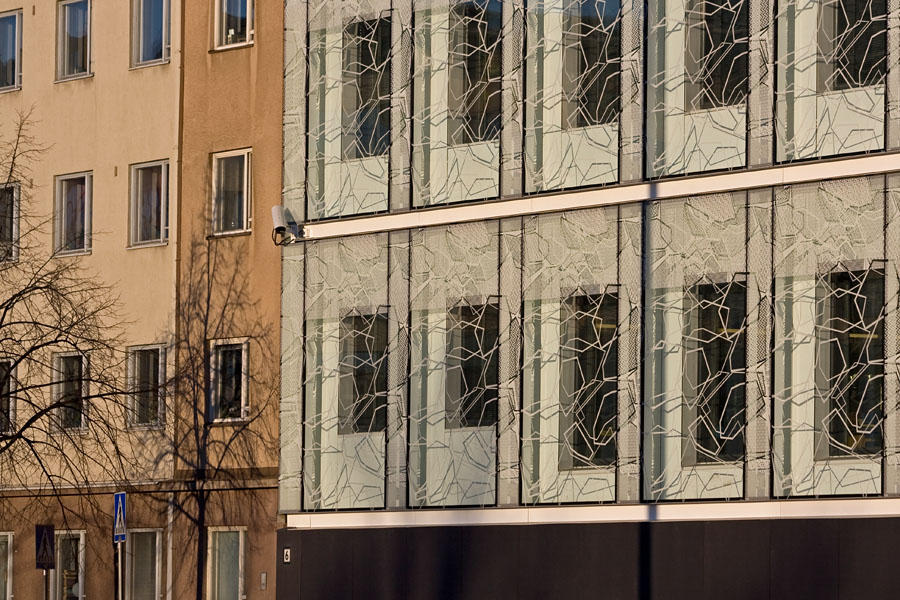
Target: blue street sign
{"x": 44, "y": 550}
{"x": 119, "y": 530}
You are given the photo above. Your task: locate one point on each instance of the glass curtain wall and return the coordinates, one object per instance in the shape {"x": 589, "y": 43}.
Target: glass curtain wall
{"x": 346, "y": 373}
{"x": 831, "y": 67}
{"x": 830, "y": 281}
{"x": 457, "y": 102}
{"x": 571, "y": 355}
{"x": 695, "y": 370}
{"x": 349, "y": 107}
{"x": 572, "y": 96}
{"x": 697, "y": 85}
{"x": 454, "y": 381}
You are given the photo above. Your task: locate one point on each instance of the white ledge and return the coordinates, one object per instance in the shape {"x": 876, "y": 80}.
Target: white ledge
{"x": 744, "y": 179}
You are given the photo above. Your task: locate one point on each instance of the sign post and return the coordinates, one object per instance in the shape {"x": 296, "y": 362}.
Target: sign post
{"x": 45, "y": 553}
{"x": 120, "y": 533}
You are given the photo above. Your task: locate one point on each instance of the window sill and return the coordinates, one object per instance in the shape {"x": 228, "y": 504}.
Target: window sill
{"x": 228, "y": 234}
{"x": 74, "y": 77}
{"x": 71, "y": 253}
{"x": 10, "y": 89}
{"x": 154, "y": 244}
{"x": 149, "y": 64}
{"x": 146, "y": 427}
{"x": 79, "y": 431}
{"x": 228, "y": 422}
{"x": 228, "y": 47}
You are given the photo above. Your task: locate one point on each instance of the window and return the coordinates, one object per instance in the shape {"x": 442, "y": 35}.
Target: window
{"x": 7, "y": 398}
{"x": 474, "y": 70}
{"x": 10, "y": 50}
{"x": 850, "y": 365}
{"x": 715, "y": 373}
{"x": 150, "y": 34}
{"x": 68, "y": 577}
{"x": 226, "y": 563}
{"x": 716, "y": 54}
{"x": 234, "y": 22}
{"x": 9, "y": 223}
{"x": 367, "y": 88}
{"x": 147, "y": 367}
{"x": 231, "y": 191}
{"x": 73, "y": 213}
{"x": 150, "y": 203}
{"x": 472, "y": 378}
{"x": 362, "y": 388}
{"x": 74, "y": 39}
{"x": 589, "y": 382}
{"x": 591, "y": 68}
{"x": 6, "y": 565}
{"x": 852, "y": 41}
{"x": 143, "y": 559}
{"x": 229, "y": 380}
{"x": 70, "y": 390}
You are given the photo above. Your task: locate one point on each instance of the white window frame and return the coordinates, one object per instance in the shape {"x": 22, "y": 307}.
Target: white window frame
{"x": 56, "y": 388}
{"x": 17, "y": 200}
{"x": 135, "y": 212}
{"x": 12, "y": 400}
{"x": 54, "y": 583}
{"x": 88, "y": 214}
{"x": 129, "y": 559}
{"x": 247, "y": 153}
{"x": 17, "y": 85}
{"x": 219, "y": 38}
{"x": 60, "y": 41}
{"x": 210, "y": 558}
{"x": 132, "y": 384}
{"x": 10, "y": 540}
{"x": 137, "y": 39}
{"x": 245, "y": 379}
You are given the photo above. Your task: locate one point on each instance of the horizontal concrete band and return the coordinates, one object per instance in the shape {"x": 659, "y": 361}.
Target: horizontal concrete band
{"x": 620, "y": 194}
{"x": 694, "y": 511}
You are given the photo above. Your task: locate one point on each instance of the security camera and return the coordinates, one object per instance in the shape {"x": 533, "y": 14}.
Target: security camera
{"x": 278, "y": 220}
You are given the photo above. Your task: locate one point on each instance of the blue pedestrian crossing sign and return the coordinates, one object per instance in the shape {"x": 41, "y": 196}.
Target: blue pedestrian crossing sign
{"x": 119, "y": 530}
{"x": 44, "y": 551}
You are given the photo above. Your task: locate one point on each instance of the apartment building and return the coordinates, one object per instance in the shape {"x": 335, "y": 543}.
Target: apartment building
{"x": 148, "y": 169}
{"x": 590, "y": 298}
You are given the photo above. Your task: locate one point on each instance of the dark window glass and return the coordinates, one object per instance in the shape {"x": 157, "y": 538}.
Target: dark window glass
{"x": 7, "y": 222}
{"x": 591, "y": 68}
{"x": 150, "y": 200}
{"x": 589, "y": 385}
{"x": 852, "y": 353}
{"x": 475, "y": 74}
{"x": 68, "y": 567}
{"x": 230, "y": 193}
{"x": 715, "y": 371}
{"x": 9, "y": 51}
{"x": 852, "y": 44}
{"x": 6, "y": 396}
{"x": 71, "y": 387}
{"x": 234, "y": 22}
{"x": 75, "y": 40}
{"x": 152, "y": 30}
{"x": 74, "y": 214}
{"x": 472, "y": 380}
{"x": 146, "y": 381}
{"x": 363, "y": 374}
{"x": 230, "y": 364}
{"x": 367, "y": 88}
{"x": 716, "y": 53}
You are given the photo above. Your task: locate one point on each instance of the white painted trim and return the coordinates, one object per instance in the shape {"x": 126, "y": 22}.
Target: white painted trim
{"x": 838, "y": 508}
{"x": 670, "y": 188}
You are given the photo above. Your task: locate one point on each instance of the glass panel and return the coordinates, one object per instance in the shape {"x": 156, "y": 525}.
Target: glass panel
{"x": 367, "y": 88}
{"x": 234, "y": 22}
{"x": 230, "y": 379}
{"x": 150, "y": 203}
{"x": 75, "y": 38}
{"x": 828, "y": 360}
{"x": 4, "y": 566}
{"x": 6, "y": 399}
{"x": 152, "y": 30}
{"x": 457, "y": 102}
{"x": 142, "y": 546}
{"x": 146, "y": 366}
{"x": 230, "y": 192}
{"x": 831, "y": 69}
{"x": 363, "y": 383}
{"x": 9, "y": 51}
{"x": 74, "y": 213}
{"x": 695, "y": 340}
{"x": 572, "y": 84}
{"x": 697, "y": 86}
{"x": 226, "y": 557}
{"x": 68, "y": 571}
{"x": 7, "y": 221}
{"x": 455, "y": 332}
{"x": 71, "y": 387}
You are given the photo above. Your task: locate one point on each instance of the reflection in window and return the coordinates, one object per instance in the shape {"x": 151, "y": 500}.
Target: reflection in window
{"x": 151, "y": 27}
{"x": 150, "y": 199}
{"x": 73, "y": 213}
{"x": 475, "y": 76}
{"x": 230, "y": 377}
{"x": 9, "y": 225}
{"x": 70, "y": 391}
{"x": 591, "y": 63}
{"x": 10, "y": 49}
{"x": 852, "y": 40}
{"x": 74, "y": 38}
{"x": 69, "y": 566}
{"x": 588, "y": 387}
{"x": 716, "y": 53}
{"x": 715, "y": 371}
{"x": 6, "y": 398}
{"x": 147, "y": 385}
{"x": 232, "y": 191}
{"x": 363, "y": 374}
{"x": 850, "y": 368}
{"x": 235, "y": 22}
{"x": 367, "y": 88}
{"x": 472, "y": 378}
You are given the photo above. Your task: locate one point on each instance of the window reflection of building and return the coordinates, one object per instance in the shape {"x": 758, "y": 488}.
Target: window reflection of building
{"x": 471, "y": 396}
{"x": 362, "y": 389}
